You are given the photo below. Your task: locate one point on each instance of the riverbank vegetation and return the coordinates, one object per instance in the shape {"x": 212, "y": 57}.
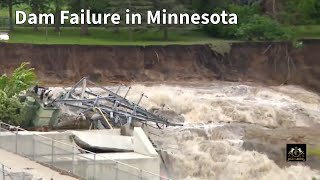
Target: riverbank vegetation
{"x": 264, "y": 20}
{"x": 11, "y": 108}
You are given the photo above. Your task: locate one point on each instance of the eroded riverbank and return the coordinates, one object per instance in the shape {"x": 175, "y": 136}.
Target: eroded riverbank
{"x": 271, "y": 63}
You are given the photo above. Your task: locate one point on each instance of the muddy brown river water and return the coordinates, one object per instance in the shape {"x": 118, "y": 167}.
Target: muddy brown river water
{"x": 234, "y": 131}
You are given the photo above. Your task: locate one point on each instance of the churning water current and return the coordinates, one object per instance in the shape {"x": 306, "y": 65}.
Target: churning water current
{"x": 204, "y": 148}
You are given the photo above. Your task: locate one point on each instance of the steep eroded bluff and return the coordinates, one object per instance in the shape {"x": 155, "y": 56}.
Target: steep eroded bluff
{"x": 271, "y": 63}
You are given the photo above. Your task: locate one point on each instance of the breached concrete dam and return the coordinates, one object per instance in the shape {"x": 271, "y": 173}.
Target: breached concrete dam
{"x": 233, "y": 130}
{"x": 239, "y": 109}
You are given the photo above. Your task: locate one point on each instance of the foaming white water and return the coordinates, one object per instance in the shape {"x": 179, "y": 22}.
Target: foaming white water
{"x": 275, "y": 107}
{"x": 207, "y": 148}
{"x": 216, "y": 153}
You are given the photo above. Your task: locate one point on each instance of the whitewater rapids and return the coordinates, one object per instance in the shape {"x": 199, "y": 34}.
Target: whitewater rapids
{"x": 228, "y": 129}
{"x": 206, "y": 148}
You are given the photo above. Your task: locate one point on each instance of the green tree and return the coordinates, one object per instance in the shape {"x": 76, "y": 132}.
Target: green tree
{"x": 171, "y": 6}
{"x": 76, "y": 6}
{"x": 263, "y": 28}
{"x": 10, "y": 4}
{"x": 252, "y": 25}
{"x": 58, "y": 5}
{"x": 299, "y": 12}
{"x": 141, "y": 7}
{"x": 10, "y": 7}
{"x": 37, "y": 7}
{"x": 84, "y": 4}
{"x": 116, "y": 7}
{"x": 206, "y": 6}
{"x": 244, "y": 13}
{"x": 135, "y": 6}
{"x": 10, "y": 86}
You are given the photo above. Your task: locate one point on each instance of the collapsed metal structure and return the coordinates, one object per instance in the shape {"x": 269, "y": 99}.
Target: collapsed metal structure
{"x": 111, "y": 109}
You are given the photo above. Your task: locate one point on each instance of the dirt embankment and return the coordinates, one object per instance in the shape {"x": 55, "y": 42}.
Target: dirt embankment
{"x": 273, "y": 63}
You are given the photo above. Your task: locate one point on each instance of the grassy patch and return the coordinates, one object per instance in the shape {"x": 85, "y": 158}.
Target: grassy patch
{"x": 222, "y": 47}
{"x": 308, "y": 32}
{"x": 102, "y": 36}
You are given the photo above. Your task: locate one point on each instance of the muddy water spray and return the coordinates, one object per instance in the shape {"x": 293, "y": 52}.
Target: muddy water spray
{"x": 206, "y": 149}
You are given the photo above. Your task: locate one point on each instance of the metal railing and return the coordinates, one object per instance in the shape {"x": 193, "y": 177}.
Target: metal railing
{"x": 7, "y": 174}
{"x": 67, "y": 157}
{"x": 4, "y": 24}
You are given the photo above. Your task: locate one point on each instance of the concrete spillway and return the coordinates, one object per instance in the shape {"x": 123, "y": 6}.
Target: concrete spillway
{"x": 103, "y": 141}
{"x": 57, "y": 149}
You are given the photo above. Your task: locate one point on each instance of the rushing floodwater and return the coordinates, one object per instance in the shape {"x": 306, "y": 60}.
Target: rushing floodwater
{"x": 207, "y": 149}
{"x": 203, "y": 149}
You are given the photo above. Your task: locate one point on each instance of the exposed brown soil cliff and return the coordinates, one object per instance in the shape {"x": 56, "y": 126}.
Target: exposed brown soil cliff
{"x": 273, "y": 63}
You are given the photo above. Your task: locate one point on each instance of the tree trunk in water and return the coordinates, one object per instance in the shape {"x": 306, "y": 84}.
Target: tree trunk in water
{"x": 84, "y": 27}
{"x": 10, "y": 15}
{"x": 58, "y": 16}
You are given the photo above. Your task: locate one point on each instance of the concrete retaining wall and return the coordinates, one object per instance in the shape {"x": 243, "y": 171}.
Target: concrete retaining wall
{"x": 68, "y": 158}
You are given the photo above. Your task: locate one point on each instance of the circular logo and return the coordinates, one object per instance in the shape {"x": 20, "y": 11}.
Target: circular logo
{"x": 296, "y": 152}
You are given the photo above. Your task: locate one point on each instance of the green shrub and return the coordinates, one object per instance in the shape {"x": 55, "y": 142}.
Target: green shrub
{"x": 21, "y": 79}
{"x": 251, "y": 26}
{"x": 244, "y": 12}
{"x": 299, "y": 12}
{"x": 262, "y": 28}
{"x": 10, "y": 87}
{"x": 10, "y": 109}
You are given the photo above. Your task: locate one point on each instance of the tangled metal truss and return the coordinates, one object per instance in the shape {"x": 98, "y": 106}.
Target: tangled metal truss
{"x": 110, "y": 108}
